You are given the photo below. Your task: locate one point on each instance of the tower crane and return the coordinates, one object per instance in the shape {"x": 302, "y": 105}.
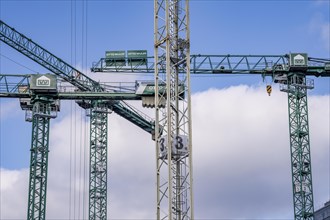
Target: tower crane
{"x": 173, "y": 65}
{"x": 174, "y": 144}
{"x": 44, "y": 108}
{"x": 172, "y": 128}
{"x": 289, "y": 70}
{"x": 39, "y": 95}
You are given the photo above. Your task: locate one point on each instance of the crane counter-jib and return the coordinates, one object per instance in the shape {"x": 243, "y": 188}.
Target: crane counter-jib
{"x": 25, "y": 85}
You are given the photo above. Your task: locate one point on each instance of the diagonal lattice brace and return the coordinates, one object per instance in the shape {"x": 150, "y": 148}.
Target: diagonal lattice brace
{"x": 98, "y": 162}
{"x": 300, "y": 148}
{"x": 39, "y": 159}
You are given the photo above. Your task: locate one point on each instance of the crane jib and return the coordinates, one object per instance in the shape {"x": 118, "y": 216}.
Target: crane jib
{"x": 32, "y": 50}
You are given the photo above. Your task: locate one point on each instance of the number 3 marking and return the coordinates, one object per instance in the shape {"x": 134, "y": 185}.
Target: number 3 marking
{"x": 161, "y": 142}
{"x": 179, "y": 144}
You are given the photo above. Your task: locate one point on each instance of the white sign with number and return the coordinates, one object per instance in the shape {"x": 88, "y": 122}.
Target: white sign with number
{"x": 179, "y": 145}
{"x": 163, "y": 146}
{"x": 304, "y": 187}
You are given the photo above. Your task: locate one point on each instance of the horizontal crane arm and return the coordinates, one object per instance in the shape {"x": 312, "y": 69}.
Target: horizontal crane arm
{"x": 78, "y": 96}
{"x": 97, "y": 96}
{"x": 45, "y": 58}
{"x": 18, "y": 86}
{"x": 221, "y": 64}
{"x": 10, "y": 84}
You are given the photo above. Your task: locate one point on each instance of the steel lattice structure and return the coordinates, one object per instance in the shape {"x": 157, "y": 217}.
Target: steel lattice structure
{"x": 70, "y": 74}
{"x": 41, "y": 107}
{"x": 41, "y": 115}
{"x": 172, "y": 129}
{"x": 173, "y": 122}
{"x": 222, "y": 64}
{"x": 37, "y": 53}
{"x": 296, "y": 87}
{"x": 282, "y": 69}
{"x": 98, "y": 162}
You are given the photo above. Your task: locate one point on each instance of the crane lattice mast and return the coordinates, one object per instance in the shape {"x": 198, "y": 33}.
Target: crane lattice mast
{"x": 296, "y": 86}
{"x": 41, "y": 115}
{"x": 173, "y": 120}
{"x": 98, "y": 161}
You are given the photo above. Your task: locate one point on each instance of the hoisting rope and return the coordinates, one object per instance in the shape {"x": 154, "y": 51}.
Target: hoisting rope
{"x": 72, "y": 156}
{"x": 85, "y": 143}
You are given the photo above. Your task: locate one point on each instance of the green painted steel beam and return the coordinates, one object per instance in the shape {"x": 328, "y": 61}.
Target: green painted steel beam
{"x": 37, "y": 53}
{"x": 18, "y": 86}
{"x": 97, "y": 96}
{"x": 98, "y": 161}
{"x": 57, "y": 66}
{"x": 11, "y": 85}
{"x": 224, "y": 64}
{"x": 301, "y": 169}
{"x": 29, "y": 48}
{"x": 80, "y": 96}
{"x": 39, "y": 160}
{"x": 14, "y": 95}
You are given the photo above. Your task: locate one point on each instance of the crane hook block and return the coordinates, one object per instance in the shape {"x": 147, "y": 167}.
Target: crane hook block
{"x": 269, "y": 89}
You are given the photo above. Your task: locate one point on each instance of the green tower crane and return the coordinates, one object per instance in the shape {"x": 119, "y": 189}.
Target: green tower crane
{"x": 41, "y": 102}
{"x": 43, "y": 109}
{"x": 98, "y": 127}
{"x": 290, "y": 71}
{"x": 300, "y": 146}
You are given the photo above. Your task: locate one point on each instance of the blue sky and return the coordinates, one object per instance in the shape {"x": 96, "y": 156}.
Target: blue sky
{"x": 217, "y": 27}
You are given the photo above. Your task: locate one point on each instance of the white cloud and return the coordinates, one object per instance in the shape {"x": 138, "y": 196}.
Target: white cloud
{"x": 241, "y": 161}
{"x": 243, "y": 157}
{"x": 13, "y": 193}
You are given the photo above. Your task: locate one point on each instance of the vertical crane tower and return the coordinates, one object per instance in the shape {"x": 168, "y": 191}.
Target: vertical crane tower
{"x": 173, "y": 122}
{"x": 300, "y": 148}
{"x": 296, "y": 85}
{"x": 40, "y": 126}
{"x": 290, "y": 70}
